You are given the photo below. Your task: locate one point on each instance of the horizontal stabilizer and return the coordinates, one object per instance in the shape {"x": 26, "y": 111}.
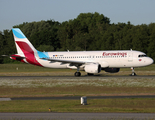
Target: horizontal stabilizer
{"x": 17, "y": 56}
{"x": 5, "y": 55}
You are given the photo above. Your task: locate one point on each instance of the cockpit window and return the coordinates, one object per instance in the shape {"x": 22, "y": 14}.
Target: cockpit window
{"x": 142, "y": 55}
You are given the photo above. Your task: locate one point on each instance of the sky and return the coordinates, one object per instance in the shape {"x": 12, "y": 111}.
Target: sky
{"x": 15, "y": 12}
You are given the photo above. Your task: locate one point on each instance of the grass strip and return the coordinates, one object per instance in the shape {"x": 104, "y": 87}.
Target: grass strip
{"x": 40, "y": 87}
{"x": 136, "y": 105}
{"x": 75, "y": 91}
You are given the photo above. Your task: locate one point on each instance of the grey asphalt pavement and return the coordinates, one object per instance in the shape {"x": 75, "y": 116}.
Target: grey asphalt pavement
{"x": 77, "y": 116}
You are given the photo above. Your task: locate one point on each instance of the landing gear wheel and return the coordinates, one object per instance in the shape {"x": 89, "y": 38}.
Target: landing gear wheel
{"x": 77, "y": 74}
{"x": 90, "y": 74}
{"x": 133, "y": 72}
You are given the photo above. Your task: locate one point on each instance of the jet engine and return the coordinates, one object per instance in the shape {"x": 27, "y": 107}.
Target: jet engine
{"x": 93, "y": 68}
{"x": 112, "y": 70}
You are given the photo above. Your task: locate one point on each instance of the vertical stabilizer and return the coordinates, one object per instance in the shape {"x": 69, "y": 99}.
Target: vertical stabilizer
{"x": 23, "y": 45}
{"x": 24, "y": 48}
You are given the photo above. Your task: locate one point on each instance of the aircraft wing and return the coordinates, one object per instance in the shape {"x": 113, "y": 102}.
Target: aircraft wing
{"x": 71, "y": 62}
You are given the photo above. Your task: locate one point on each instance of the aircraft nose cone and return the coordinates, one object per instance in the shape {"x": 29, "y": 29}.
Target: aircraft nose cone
{"x": 151, "y": 61}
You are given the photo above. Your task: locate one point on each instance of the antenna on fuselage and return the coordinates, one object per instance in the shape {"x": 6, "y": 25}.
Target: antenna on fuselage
{"x": 130, "y": 49}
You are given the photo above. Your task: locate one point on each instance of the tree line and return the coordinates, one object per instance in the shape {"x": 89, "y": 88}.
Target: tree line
{"x": 89, "y": 31}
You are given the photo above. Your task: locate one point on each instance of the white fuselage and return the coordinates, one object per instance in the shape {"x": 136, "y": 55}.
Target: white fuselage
{"x": 111, "y": 59}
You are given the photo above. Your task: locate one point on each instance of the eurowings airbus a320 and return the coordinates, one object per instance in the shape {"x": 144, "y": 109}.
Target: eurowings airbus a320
{"x": 90, "y": 61}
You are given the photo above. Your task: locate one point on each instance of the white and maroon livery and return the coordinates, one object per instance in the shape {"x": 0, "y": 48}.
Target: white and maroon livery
{"x": 90, "y": 61}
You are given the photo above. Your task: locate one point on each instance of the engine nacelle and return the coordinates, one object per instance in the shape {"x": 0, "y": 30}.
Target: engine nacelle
{"x": 112, "y": 70}
{"x": 93, "y": 68}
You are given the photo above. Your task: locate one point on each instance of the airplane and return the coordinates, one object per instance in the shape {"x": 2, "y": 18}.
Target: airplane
{"x": 91, "y": 62}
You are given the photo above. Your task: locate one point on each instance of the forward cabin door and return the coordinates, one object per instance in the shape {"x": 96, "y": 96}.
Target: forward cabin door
{"x": 130, "y": 56}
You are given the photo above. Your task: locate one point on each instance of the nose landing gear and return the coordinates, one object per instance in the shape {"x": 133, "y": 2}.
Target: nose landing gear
{"x": 133, "y": 72}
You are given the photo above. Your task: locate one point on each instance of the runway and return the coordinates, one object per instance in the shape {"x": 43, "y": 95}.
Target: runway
{"x": 75, "y": 97}
{"x": 77, "y": 116}
{"x": 81, "y": 77}
{"x": 78, "y": 97}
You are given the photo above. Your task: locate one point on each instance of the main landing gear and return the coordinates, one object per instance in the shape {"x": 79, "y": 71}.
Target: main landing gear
{"x": 77, "y": 74}
{"x": 133, "y": 72}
